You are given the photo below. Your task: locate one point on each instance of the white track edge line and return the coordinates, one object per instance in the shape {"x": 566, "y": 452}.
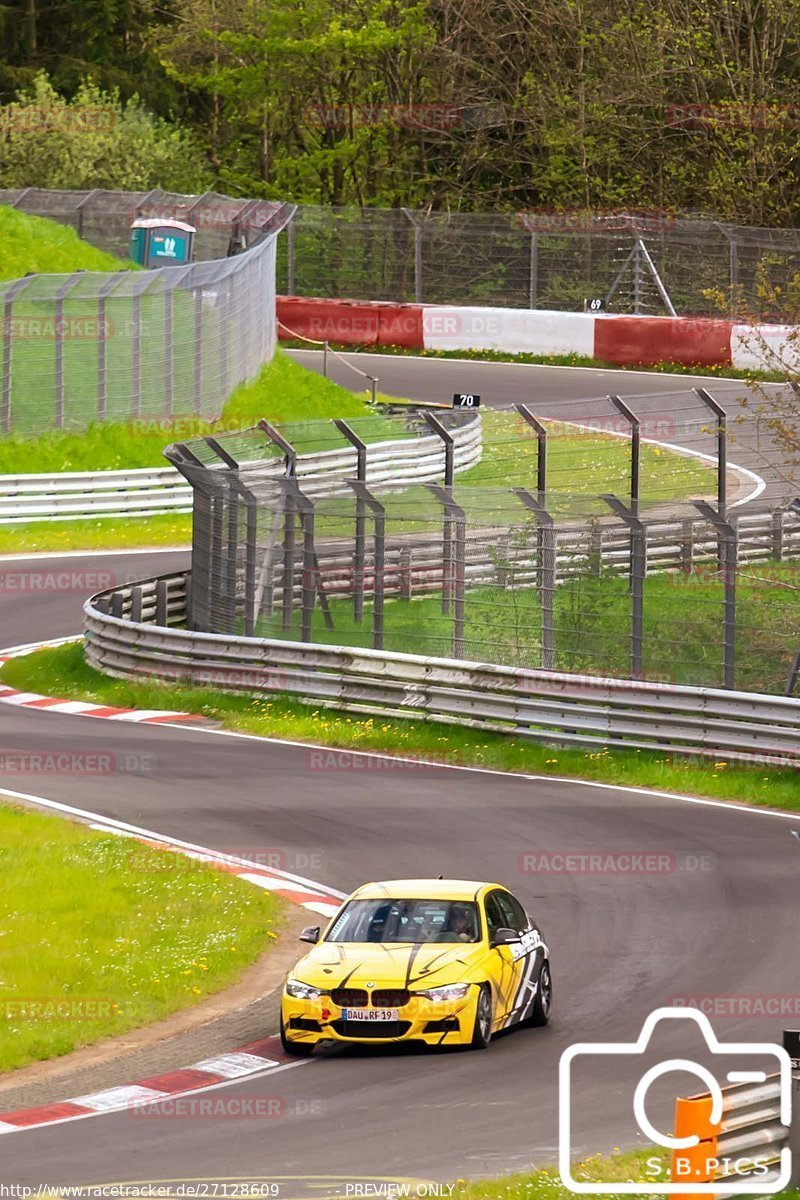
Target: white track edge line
{"x": 111, "y": 823}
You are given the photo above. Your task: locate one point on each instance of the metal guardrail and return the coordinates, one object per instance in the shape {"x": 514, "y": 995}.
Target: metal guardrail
{"x": 128, "y": 636}
{"x": 748, "y": 1143}
{"x": 148, "y": 491}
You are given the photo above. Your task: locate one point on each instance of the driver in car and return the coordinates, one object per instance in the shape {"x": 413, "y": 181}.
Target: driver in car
{"x": 460, "y": 925}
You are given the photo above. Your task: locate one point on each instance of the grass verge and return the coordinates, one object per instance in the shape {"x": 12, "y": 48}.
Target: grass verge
{"x": 119, "y": 533}
{"x": 108, "y": 935}
{"x": 62, "y": 671}
{"x": 641, "y": 1166}
{"x": 545, "y": 1184}
{"x": 282, "y": 391}
{"x": 35, "y": 245}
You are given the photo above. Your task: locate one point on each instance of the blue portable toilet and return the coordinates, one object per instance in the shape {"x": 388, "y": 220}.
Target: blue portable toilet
{"x": 156, "y": 242}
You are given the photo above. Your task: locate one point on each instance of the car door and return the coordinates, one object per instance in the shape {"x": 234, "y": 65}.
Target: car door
{"x": 505, "y": 959}
{"x": 529, "y": 954}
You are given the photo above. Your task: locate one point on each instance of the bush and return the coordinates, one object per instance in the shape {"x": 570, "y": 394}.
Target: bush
{"x": 94, "y": 140}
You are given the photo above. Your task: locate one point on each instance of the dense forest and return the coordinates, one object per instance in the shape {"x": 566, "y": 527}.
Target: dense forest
{"x": 663, "y": 105}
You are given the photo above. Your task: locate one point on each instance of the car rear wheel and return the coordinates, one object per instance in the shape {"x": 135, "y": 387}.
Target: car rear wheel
{"x": 298, "y": 1049}
{"x": 544, "y": 997}
{"x": 482, "y": 1031}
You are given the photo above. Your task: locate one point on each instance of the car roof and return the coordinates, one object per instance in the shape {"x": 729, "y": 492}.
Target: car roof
{"x": 423, "y": 889}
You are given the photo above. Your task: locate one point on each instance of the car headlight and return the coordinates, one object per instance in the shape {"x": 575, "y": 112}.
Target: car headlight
{"x": 450, "y": 991}
{"x": 303, "y": 991}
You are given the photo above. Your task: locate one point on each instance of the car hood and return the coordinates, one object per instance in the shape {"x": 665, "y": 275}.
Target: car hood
{"x": 361, "y": 964}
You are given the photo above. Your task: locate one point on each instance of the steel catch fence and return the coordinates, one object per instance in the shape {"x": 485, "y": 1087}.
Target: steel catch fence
{"x": 136, "y": 345}
{"x": 632, "y": 261}
{"x": 665, "y": 580}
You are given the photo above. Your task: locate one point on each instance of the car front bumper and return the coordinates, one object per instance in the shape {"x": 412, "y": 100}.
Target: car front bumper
{"x": 435, "y": 1022}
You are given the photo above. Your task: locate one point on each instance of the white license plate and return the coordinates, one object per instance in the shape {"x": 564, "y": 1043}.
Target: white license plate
{"x": 370, "y": 1014}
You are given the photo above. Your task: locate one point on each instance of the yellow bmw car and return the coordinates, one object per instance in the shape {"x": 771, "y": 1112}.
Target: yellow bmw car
{"x": 441, "y": 961}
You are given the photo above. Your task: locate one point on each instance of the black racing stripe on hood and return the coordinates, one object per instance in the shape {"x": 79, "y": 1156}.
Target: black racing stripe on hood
{"x": 431, "y": 968}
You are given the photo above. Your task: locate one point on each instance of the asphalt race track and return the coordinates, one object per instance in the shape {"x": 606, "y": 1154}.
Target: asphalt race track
{"x": 719, "y": 920}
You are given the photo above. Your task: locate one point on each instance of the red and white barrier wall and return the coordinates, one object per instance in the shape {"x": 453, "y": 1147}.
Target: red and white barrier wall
{"x": 689, "y": 341}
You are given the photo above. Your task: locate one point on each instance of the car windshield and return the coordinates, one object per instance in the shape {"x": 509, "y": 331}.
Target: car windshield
{"x": 414, "y": 921}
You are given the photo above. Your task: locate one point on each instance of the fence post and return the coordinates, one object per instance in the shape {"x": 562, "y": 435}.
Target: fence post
{"x": 541, "y": 448}
{"x": 162, "y": 611}
{"x": 233, "y": 529}
{"x": 714, "y": 407}
{"x": 136, "y": 605}
{"x": 8, "y": 337}
{"x": 791, "y": 1044}
{"x": 290, "y": 459}
{"x": 547, "y": 572}
{"x": 728, "y": 544}
{"x": 61, "y": 292}
{"x": 533, "y": 280}
{"x": 454, "y": 565}
{"x": 635, "y": 427}
{"x": 687, "y": 547}
{"x": 359, "y": 549}
{"x": 447, "y": 438}
{"x": 379, "y": 556}
{"x": 417, "y": 255}
{"x": 447, "y": 526}
{"x": 79, "y": 210}
{"x": 102, "y": 353}
{"x": 404, "y": 568}
{"x": 638, "y": 571}
{"x": 638, "y": 279}
{"x": 198, "y": 350}
{"x": 290, "y": 256}
{"x": 777, "y": 533}
{"x": 308, "y": 591}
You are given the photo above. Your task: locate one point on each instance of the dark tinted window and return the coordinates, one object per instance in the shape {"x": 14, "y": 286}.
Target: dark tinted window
{"x": 415, "y": 921}
{"x": 515, "y": 913}
{"x": 495, "y": 917}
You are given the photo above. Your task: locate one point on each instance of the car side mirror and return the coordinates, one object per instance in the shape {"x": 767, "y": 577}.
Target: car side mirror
{"x": 504, "y": 937}
{"x": 310, "y": 933}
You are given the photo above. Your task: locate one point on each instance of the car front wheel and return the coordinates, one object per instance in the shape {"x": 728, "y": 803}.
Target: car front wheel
{"x": 482, "y": 1031}
{"x": 296, "y": 1049}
